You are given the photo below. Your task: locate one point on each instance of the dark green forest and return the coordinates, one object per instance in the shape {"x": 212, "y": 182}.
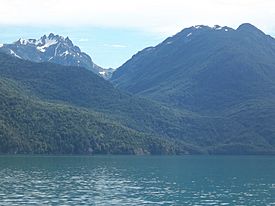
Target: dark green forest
{"x": 30, "y": 124}
{"x": 217, "y": 96}
{"x": 226, "y": 76}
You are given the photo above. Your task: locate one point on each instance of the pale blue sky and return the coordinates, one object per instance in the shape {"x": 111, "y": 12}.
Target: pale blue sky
{"x": 108, "y": 47}
{"x": 112, "y": 31}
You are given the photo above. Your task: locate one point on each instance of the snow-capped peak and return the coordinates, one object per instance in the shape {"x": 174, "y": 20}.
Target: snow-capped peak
{"x": 45, "y": 42}
{"x": 51, "y": 48}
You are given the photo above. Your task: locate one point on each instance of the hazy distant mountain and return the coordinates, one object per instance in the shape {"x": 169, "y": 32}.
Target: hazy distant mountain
{"x": 55, "y": 49}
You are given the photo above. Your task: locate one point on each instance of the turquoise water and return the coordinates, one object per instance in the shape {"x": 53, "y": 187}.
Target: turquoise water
{"x": 137, "y": 180}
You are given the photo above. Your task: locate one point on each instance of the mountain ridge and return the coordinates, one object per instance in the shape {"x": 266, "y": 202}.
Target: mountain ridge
{"x": 216, "y": 72}
{"x": 191, "y": 56}
{"x": 55, "y": 49}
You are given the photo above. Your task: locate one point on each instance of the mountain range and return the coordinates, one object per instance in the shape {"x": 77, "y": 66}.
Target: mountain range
{"x": 54, "y": 49}
{"x": 205, "y": 90}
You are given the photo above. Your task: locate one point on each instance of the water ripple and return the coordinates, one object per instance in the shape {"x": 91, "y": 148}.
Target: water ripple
{"x": 125, "y": 181}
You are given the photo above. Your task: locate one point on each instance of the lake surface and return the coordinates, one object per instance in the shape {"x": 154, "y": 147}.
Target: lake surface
{"x": 137, "y": 180}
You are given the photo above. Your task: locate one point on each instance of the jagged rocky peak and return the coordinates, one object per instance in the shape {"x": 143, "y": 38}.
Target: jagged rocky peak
{"x": 45, "y": 40}
{"x": 53, "y": 48}
{"x": 67, "y": 40}
{"x": 53, "y": 36}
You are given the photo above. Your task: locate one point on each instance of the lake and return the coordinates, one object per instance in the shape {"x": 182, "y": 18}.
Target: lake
{"x": 137, "y": 180}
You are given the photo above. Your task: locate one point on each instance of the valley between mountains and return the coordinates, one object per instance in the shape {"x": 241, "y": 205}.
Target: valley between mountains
{"x": 205, "y": 90}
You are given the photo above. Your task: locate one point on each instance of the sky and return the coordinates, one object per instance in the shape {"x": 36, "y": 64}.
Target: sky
{"x": 111, "y": 31}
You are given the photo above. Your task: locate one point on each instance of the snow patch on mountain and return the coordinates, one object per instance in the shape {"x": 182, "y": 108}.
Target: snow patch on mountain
{"x": 65, "y": 53}
{"x": 149, "y": 48}
{"x": 198, "y": 26}
{"x": 14, "y": 54}
{"x": 24, "y": 41}
{"x": 217, "y": 27}
{"x": 48, "y": 43}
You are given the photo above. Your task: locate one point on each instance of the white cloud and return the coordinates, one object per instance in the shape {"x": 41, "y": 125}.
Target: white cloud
{"x": 161, "y": 16}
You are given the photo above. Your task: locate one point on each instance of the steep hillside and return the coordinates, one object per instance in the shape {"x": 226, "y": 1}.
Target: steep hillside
{"x": 81, "y": 88}
{"x": 203, "y": 68}
{"x": 39, "y": 99}
{"x": 226, "y": 76}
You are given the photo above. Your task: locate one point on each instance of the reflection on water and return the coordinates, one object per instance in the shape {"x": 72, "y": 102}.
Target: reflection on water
{"x": 128, "y": 180}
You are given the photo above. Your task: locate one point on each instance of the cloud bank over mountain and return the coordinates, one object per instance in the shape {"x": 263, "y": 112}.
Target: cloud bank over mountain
{"x": 161, "y": 16}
